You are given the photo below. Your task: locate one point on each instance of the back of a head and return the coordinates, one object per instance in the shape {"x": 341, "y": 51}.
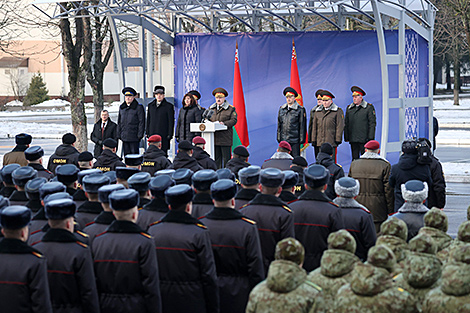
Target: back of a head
{"x": 177, "y": 197}
{"x": 394, "y": 227}
{"x": 327, "y": 148}
{"x": 423, "y": 243}
{"x": 463, "y": 233}
{"x": 290, "y": 249}
{"x": 342, "y": 240}
{"x": 381, "y": 256}
{"x": 69, "y": 139}
{"x": 316, "y": 176}
{"x": 414, "y": 191}
{"x": 436, "y": 218}
{"x": 409, "y": 146}
{"x": 347, "y": 187}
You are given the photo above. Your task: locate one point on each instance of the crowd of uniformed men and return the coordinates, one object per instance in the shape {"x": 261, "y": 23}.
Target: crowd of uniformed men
{"x": 150, "y": 235}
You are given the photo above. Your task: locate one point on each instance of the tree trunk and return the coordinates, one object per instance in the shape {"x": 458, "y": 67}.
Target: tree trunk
{"x": 448, "y": 78}
{"x": 98, "y": 98}
{"x": 77, "y": 110}
{"x": 456, "y": 80}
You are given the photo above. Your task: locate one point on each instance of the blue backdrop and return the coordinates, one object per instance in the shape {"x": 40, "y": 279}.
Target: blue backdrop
{"x": 328, "y": 60}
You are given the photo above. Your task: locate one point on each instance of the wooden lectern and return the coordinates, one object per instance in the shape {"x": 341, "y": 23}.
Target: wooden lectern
{"x": 207, "y": 131}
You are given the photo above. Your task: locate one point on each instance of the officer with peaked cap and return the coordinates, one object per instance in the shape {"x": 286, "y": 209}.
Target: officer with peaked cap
{"x": 131, "y": 122}
{"x": 91, "y": 208}
{"x": 66, "y": 153}
{"x": 108, "y": 160}
{"x": 7, "y": 171}
{"x": 202, "y": 201}
{"x": 124, "y": 173}
{"x": 34, "y": 156}
{"x": 182, "y": 242}
{"x": 288, "y": 188}
{"x": 137, "y": 284}
{"x": 319, "y": 97}
{"x": 24, "y": 270}
{"x": 69, "y": 262}
{"x": 140, "y": 183}
{"x": 292, "y": 121}
{"x": 17, "y": 154}
{"x": 161, "y": 118}
{"x": 359, "y": 122}
{"x": 225, "y": 114}
{"x": 154, "y": 158}
{"x": 32, "y": 192}
{"x": 20, "y": 177}
{"x": 275, "y": 219}
{"x": 249, "y": 182}
{"x": 68, "y": 175}
{"x": 239, "y": 160}
{"x": 79, "y": 196}
{"x": 106, "y": 217}
{"x": 182, "y": 176}
{"x": 184, "y": 158}
{"x": 157, "y": 207}
{"x": 230, "y": 231}
{"x": 315, "y": 215}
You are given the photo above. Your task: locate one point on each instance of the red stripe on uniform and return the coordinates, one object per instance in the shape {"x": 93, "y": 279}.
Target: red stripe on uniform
{"x": 353, "y": 230}
{"x": 176, "y": 249}
{"x": 60, "y": 272}
{"x": 12, "y": 282}
{"x": 270, "y": 230}
{"x": 116, "y": 261}
{"x": 228, "y": 246}
{"x": 308, "y": 224}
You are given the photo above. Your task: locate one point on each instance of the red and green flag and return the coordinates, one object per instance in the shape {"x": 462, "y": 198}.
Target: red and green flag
{"x": 240, "y": 134}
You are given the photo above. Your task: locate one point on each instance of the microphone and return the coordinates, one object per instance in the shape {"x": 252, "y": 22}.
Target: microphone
{"x": 207, "y": 115}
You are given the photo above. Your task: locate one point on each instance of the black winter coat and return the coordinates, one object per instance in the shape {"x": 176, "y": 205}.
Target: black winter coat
{"x": 292, "y": 124}
{"x": 202, "y": 204}
{"x": 407, "y": 169}
{"x": 126, "y": 270}
{"x": 108, "y": 161}
{"x": 99, "y": 225}
{"x": 152, "y": 212}
{"x": 183, "y": 160}
{"x": 186, "y": 116}
{"x": 244, "y": 196}
{"x": 131, "y": 122}
{"x": 18, "y": 198}
{"x": 110, "y": 131}
{"x": 186, "y": 263}
{"x": 287, "y": 196}
{"x": 70, "y": 271}
{"x": 7, "y": 191}
{"x": 23, "y": 273}
{"x": 154, "y": 160}
{"x": 64, "y": 154}
{"x": 42, "y": 172}
{"x": 37, "y": 222}
{"x": 161, "y": 121}
{"x": 437, "y": 194}
{"x": 336, "y": 172}
{"x": 237, "y": 253}
{"x": 204, "y": 159}
{"x": 235, "y": 165}
{"x": 300, "y": 187}
{"x": 87, "y": 212}
{"x": 359, "y": 123}
{"x": 315, "y": 216}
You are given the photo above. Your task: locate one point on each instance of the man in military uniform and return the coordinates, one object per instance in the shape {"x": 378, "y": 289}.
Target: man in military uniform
{"x": 325, "y": 158}
{"x": 108, "y": 160}
{"x": 91, "y": 208}
{"x": 182, "y": 242}
{"x": 292, "y": 121}
{"x": 103, "y": 129}
{"x": 315, "y": 215}
{"x": 126, "y": 264}
{"x": 202, "y": 201}
{"x": 319, "y": 97}
{"x": 225, "y": 114}
{"x": 23, "y": 274}
{"x": 154, "y": 158}
{"x": 20, "y": 177}
{"x": 124, "y": 173}
{"x": 239, "y": 160}
{"x": 65, "y": 153}
{"x": 85, "y": 160}
{"x": 32, "y": 192}
{"x": 140, "y": 183}
{"x": 69, "y": 263}
{"x": 134, "y": 161}
{"x": 200, "y": 154}
{"x": 157, "y": 207}
{"x": 161, "y": 118}
{"x": 359, "y": 123}
{"x": 231, "y": 232}
{"x": 131, "y": 122}
{"x": 17, "y": 154}
{"x": 79, "y": 196}
{"x": 288, "y": 188}
{"x": 274, "y": 218}
{"x": 7, "y": 171}
{"x": 68, "y": 175}
{"x": 249, "y": 183}
{"x": 39, "y": 219}
{"x": 34, "y": 156}
{"x": 182, "y": 176}
{"x": 184, "y": 159}
{"x": 299, "y": 164}
{"x": 281, "y": 159}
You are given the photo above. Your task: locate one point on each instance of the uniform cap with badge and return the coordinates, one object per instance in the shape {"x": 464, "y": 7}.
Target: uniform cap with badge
{"x": 318, "y": 94}
{"x": 249, "y": 176}
{"x": 123, "y": 200}
{"x": 23, "y": 174}
{"x": 159, "y": 90}
{"x": 33, "y": 153}
{"x": 179, "y": 195}
{"x": 357, "y": 91}
{"x": 203, "y": 179}
{"x": 223, "y": 190}
{"x": 67, "y": 173}
{"x": 220, "y": 92}
{"x": 326, "y": 95}
{"x": 292, "y": 178}
{"x": 316, "y": 175}
{"x": 289, "y": 91}
{"x": 129, "y": 91}
{"x": 15, "y": 217}
{"x": 195, "y": 94}
{"x": 272, "y": 177}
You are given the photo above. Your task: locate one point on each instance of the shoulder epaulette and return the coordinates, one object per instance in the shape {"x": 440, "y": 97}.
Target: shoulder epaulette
{"x": 313, "y": 285}
{"x": 154, "y": 223}
{"x": 39, "y": 255}
{"x": 82, "y": 234}
{"x": 244, "y": 206}
{"x": 395, "y": 277}
{"x": 201, "y": 225}
{"x": 82, "y": 244}
{"x": 248, "y": 220}
{"x": 285, "y": 207}
{"x": 339, "y": 165}
{"x": 146, "y": 235}
{"x": 333, "y": 204}
{"x": 140, "y": 208}
{"x": 48, "y": 171}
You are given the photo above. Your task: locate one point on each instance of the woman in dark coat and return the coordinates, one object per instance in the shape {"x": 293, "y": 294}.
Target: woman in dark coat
{"x": 189, "y": 113}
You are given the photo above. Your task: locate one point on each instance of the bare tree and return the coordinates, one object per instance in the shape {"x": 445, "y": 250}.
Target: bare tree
{"x": 18, "y": 84}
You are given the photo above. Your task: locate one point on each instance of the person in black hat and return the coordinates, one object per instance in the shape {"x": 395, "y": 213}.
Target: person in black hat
{"x": 108, "y": 160}
{"x": 4, "y": 202}
{"x": 16, "y": 155}
{"x": 182, "y": 176}
{"x": 131, "y": 122}
{"x": 231, "y": 232}
{"x": 68, "y": 175}
{"x": 299, "y": 164}
{"x": 69, "y": 263}
{"x": 39, "y": 219}
{"x": 168, "y": 172}
{"x": 359, "y": 123}
{"x": 196, "y": 95}
{"x": 189, "y": 113}
{"x": 133, "y": 161}
{"x": 126, "y": 264}
{"x": 66, "y": 153}
{"x": 239, "y": 160}
{"x": 112, "y": 177}
{"x": 288, "y": 188}
{"x": 106, "y": 217}
{"x": 274, "y": 218}
{"x": 182, "y": 242}
{"x": 123, "y": 174}
{"x": 85, "y": 160}
{"x": 32, "y": 192}
{"x": 202, "y": 201}
{"x": 161, "y": 118}
{"x": 8, "y": 180}
{"x": 24, "y": 288}
{"x": 154, "y": 158}
{"x": 319, "y": 97}
{"x": 34, "y": 156}
{"x": 249, "y": 182}
{"x": 292, "y": 121}
{"x": 327, "y": 125}
{"x": 281, "y": 159}
{"x": 157, "y": 208}
{"x": 184, "y": 159}
{"x": 200, "y": 154}
{"x": 20, "y": 177}
{"x": 225, "y": 114}
{"x": 225, "y": 173}
{"x": 315, "y": 215}
{"x": 92, "y": 207}
{"x": 140, "y": 183}
{"x": 325, "y": 158}
{"x": 103, "y": 129}
{"x": 79, "y": 196}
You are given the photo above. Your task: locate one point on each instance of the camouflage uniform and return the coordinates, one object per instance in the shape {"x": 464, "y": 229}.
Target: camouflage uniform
{"x": 371, "y": 289}
{"x": 453, "y": 295}
{"x": 463, "y": 237}
{"x": 436, "y": 224}
{"x": 337, "y": 264}
{"x": 422, "y": 268}
{"x": 393, "y": 234}
{"x": 286, "y": 289}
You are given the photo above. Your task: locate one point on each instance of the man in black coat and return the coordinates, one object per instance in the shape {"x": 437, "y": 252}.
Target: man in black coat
{"x": 236, "y": 246}
{"x": 69, "y": 263}
{"x": 131, "y": 122}
{"x": 6, "y": 173}
{"x": 91, "y": 208}
{"x": 239, "y": 160}
{"x": 103, "y": 129}
{"x": 185, "y": 258}
{"x": 20, "y": 177}
{"x": 281, "y": 159}
{"x": 325, "y": 158}
{"x": 200, "y": 154}
{"x": 161, "y": 118}
{"x": 437, "y": 194}
{"x": 66, "y": 153}
{"x": 34, "y": 156}
{"x": 32, "y": 191}
{"x": 249, "y": 183}
{"x": 299, "y": 164}
{"x": 126, "y": 264}
{"x": 202, "y": 201}
{"x": 184, "y": 157}
{"x": 288, "y": 188}
{"x": 108, "y": 160}
{"x": 154, "y": 158}
{"x": 315, "y": 216}
{"x": 23, "y": 273}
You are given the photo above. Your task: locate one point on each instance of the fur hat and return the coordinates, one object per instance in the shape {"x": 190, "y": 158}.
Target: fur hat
{"x": 347, "y": 187}
{"x": 291, "y": 250}
{"x": 342, "y": 240}
{"x": 414, "y": 191}
{"x": 394, "y": 227}
{"x": 424, "y": 244}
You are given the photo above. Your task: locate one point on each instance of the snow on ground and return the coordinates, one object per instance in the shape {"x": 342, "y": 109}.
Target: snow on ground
{"x": 38, "y": 130}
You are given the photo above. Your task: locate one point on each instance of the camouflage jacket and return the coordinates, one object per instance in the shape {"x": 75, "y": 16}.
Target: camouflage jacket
{"x": 399, "y": 248}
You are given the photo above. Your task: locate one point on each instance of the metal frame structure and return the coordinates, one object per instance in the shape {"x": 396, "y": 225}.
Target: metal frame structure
{"x": 165, "y": 18}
